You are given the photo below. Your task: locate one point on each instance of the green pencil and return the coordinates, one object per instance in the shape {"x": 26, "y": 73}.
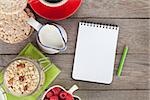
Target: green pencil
{"x": 122, "y": 61}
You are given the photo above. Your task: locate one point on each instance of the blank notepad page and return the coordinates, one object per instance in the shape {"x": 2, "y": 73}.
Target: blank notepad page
{"x": 95, "y": 52}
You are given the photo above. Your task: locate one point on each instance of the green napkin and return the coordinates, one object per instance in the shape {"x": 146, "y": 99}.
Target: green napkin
{"x": 50, "y": 74}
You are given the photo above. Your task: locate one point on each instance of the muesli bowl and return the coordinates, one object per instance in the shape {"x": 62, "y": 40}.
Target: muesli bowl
{"x": 23, "y": 76}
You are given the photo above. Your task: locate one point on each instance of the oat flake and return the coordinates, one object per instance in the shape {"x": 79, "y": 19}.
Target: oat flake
{"x": 14, "y": 28}
{"x": 12, "y": 6}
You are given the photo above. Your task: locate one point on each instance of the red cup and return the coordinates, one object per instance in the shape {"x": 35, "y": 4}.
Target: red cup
{"x": 55, "y": 11}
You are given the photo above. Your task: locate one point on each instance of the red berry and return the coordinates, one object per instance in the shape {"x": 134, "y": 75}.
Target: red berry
{"x": 56, "y": 90}
{"x": 69, "y": 97}
{"x": 63, "y": 95}
{"x": 49, "y": 94}
{"x": 54, "y": 98}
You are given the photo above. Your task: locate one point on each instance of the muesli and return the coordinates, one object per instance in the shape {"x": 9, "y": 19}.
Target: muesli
{"x": 21, "y": 77}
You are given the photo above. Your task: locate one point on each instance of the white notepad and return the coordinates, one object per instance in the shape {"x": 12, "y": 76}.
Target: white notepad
{"x": 95, "y": 52}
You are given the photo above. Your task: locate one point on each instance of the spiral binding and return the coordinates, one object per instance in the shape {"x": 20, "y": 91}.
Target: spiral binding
{"x": 100, "y": 25}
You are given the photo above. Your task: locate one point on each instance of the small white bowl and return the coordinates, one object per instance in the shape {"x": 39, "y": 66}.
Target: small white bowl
{"x": 70, "y": 91}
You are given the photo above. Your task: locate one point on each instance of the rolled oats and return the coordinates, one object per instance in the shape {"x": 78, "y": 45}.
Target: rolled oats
{"x": 12, "y": 6}
{"x": 14, "y": 28}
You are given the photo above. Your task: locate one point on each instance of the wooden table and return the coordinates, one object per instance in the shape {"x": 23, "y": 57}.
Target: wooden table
{"x": 133, "y": 17}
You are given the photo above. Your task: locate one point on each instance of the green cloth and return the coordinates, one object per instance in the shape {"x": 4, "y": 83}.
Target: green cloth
{"x": 50, "y": 74}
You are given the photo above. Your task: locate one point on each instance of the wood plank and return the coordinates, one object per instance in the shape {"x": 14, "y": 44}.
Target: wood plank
{"x": 135, "y": 73}
{"x": 133, "y": 32}
{"x": 114, "y": 95}
{"x": 114, "y": 8}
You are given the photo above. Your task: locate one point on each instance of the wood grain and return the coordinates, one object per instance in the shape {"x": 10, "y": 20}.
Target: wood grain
{"x": 114, "y": 9}
{"x": 114, "y": 95}
{"x": 133, "y": 17}
{"x": 135, "y": 73}
{"x": 133, "y": 32}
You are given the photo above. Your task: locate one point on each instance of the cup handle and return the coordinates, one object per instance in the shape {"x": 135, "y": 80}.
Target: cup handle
{"x": 35, "y": 24}
{"x": 73, "y": 89}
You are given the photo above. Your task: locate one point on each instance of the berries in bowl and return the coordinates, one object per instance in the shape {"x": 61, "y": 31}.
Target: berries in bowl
{"x": 57, "y": 92}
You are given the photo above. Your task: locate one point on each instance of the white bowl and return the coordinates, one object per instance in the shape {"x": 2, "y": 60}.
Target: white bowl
{"x": 70, "y": 91}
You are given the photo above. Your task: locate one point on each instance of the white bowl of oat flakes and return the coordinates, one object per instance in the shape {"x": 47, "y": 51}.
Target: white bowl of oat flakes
{"x": 23, "y": 77}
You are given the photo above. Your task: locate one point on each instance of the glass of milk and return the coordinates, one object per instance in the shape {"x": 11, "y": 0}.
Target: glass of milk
{"x": 51, "y": 38}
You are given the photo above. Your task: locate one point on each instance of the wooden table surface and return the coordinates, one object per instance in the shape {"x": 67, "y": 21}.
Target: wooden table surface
{"x": 133, "y": 17}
